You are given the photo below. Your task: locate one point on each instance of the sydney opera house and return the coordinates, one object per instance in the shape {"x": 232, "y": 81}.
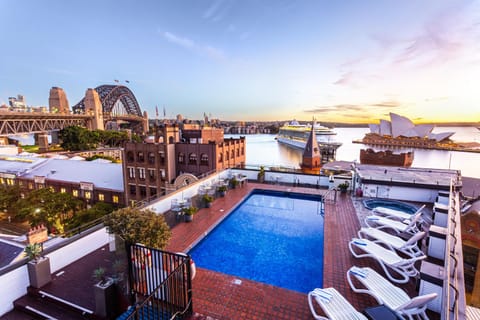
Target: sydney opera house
{"x": 399, "y": 126}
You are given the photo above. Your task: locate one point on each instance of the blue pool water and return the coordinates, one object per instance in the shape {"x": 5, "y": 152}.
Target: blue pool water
{"x": 391, "y": 204}
{"x": 271, "y": 237}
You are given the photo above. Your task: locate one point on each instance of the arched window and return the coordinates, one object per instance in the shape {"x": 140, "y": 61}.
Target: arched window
{"x": 140, "y": 156}
{"x": 220, "y": 157}
{"x": 181, "y": 158}
{"x": 204, "y": 159}
{"x": 130, "y": 157}
{"x": 192, "y": 158}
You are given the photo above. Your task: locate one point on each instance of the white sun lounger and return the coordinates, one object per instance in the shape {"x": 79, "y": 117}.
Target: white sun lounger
{"x": 388, "y": 259}
{"x": 388, "y": 294}
{"x": 408, "y": 247}
{"x": 333, "y": 304}
{"x": 409, "y": 228}
{"x": 395, "y": 214}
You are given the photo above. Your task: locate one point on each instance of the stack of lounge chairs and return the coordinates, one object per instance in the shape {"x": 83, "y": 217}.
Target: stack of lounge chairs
{"x": 391, "y": 240}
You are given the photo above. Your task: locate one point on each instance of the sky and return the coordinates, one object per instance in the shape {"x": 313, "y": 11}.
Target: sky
{"x": 347, "y": 61}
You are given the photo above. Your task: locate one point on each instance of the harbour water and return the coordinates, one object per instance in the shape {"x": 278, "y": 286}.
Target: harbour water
{"x": 263, "y": 149}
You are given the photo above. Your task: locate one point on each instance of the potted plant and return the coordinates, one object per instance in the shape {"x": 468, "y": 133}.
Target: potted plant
{"x": 38, "y": 266}
{"x": 343, "y": 187}
{"x": 207, "y": 199}
{"x": 189, "y": 212}
{"x": 261, "y": 174}
{"x": 234, "y": 182}
{"x": 222, "y": 190}
{"x": 104, "y": 292}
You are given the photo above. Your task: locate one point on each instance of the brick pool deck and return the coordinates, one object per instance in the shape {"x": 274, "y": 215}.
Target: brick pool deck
{"x": 218, "y": 296}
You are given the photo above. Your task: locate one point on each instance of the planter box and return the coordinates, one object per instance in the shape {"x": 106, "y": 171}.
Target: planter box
{"x": 39, "y": 272}
{"x": 105, "y": 299}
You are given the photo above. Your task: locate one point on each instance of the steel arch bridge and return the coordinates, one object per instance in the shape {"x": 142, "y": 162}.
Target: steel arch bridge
{"x": 117, "y": 101}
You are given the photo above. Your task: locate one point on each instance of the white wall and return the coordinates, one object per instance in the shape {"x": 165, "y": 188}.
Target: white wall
{"x": 13, "y": 285}
{"x": 72, "y": 252}
{"x": 408, "y": 193}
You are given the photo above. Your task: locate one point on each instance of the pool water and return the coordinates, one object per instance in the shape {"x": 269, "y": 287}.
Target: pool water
{"x": 271, "y": 237}
{"x": 391, "y": 204}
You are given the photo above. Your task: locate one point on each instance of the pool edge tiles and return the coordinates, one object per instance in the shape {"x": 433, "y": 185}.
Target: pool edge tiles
{"x": 269, "y": 237}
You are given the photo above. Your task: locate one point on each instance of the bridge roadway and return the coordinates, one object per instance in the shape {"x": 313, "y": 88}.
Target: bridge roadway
{"x": 34, "y": 122}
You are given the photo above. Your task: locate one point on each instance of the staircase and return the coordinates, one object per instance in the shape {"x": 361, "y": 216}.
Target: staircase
{"x": 42, "y": 305}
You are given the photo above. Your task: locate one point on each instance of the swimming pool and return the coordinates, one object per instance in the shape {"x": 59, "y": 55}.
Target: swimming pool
{"x": 391, "y": 204}
{"x": 270, "y": 237}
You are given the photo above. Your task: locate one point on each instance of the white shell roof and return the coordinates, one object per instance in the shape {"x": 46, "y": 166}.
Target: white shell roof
{"x": 400, "y": 126}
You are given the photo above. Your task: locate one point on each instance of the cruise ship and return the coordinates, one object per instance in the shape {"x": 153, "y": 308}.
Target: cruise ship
{"x": 296, "y": 135}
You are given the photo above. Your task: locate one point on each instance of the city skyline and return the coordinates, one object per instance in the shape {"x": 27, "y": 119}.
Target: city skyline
{"x": 251, "y": 60}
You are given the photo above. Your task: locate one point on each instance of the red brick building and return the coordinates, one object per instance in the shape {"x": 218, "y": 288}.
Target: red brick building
{"x": 150, "y": 168}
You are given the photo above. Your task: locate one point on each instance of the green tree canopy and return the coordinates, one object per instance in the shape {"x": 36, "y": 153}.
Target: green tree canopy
{"x": 139, "y": 226}
{"x": 9, "y": 195}
{"x": 43, "y": 206}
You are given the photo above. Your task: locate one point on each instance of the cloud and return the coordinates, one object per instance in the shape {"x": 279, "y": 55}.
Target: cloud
{"x": 217, "y": 10}
{"x": 356, "y": 108}
{"x": 183, "y": 42}
{"x": 186, "y": 43}
{"x": 386, "y": 104}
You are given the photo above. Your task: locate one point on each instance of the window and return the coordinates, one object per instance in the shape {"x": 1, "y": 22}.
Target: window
{"x": 115, "y": 199}
{"x": 133, "y": 189}
{"x": 220, "y": 157}
{"x": 30, "y": 185}
{"x": 88, "y": 195}
{"x": 226, "y": 156}
{"x": 192, "y": 158}
{"x": 40, "y": 186}
{"x": 238, "y": 152}
{"x": 130, "y": 156}
{"x": 143, "y": 191}
{"x": 162, "y": 157}
{"x": 204, "y": 159}
{"x": 233, "y": 154}
{"x": 153, "y": 192}
{"x": 20, "y": 183}
{"x": 162, "y": 174}
{"x": 140, "y": 157}
{"x": 131, "y": 172}
{"x": 75, "y": 193}
{"x": 151, "y": 158}
{"x": 151, "y": 174}
{"x": 141, "y": 173}
{"x": 242, "y": 151}
{"x": 181, "y": 158}
{"x": 101, "y": 197}
{"x": 10, "y": 182}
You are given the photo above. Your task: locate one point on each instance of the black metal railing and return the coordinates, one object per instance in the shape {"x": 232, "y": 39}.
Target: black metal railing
{"x": 160, "y": 284}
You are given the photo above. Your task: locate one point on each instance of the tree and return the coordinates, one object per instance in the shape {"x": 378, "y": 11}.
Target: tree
{"x": 76, "y": 138}
{"x": 43, "y": 206}
{"x": 9, "y": 195}
{"x": 139, "y": 226}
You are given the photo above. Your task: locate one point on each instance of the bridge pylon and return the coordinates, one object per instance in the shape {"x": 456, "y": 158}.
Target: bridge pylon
{"x": 93, "y": 106}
